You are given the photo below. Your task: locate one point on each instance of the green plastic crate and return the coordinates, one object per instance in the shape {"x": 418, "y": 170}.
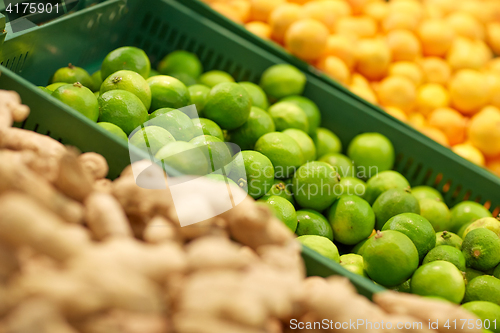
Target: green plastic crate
{"x": 84, "y": 38}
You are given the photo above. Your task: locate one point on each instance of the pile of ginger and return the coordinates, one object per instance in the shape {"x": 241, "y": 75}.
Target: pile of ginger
{"x": 82, "y": 253}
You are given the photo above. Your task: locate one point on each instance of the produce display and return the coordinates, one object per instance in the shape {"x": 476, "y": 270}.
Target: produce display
{"x": 429, "y": 63}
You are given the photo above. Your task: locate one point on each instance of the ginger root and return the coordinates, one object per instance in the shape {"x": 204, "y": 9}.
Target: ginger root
{"x": 73, "y": 180}
{"x": 94, "y": 164}
{"x": 20, "y": 139}
{"x": 11, "y": 108}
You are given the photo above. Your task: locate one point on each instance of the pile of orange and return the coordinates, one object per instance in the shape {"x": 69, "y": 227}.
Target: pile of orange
{"x": 430, "y": 63}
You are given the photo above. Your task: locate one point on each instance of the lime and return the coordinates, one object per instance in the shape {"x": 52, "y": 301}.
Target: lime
{"x": 371, "y": 153}
{"x": 394, "y": 202}
{"x": 351, "y": 186}
{"x": 421, "y": 192}
{"x": 216, "y": 152}
{"x": 483, "y": 288}
{"x": 471, "y": 273}
{"x": 181, "y": 62}
{"x": 417, "y": 228}
{"x": 310, "y": 109}
{"x": 462, "y": 229}
{"x": 259, "y": 123}
{"x": 229, "y": 105}
{"x": 167, "y": 92}
{"x": 382, "y": 182}
{"x": 221, "y": 178}
{"x": 466, "y": 212}
{"x": 304, "y": 141}
{"x": 310, "y": 222}
{"x": 174, "y": 121}
{"x": 79, "y": 98}
{"x": 439, "y": 278}
{"x": 481, "y": 249}
{"x": 490, "y": 223}
{"x": 208, "y": 127}
{"x": 404, "y": 287}
{"x": 73, "y": 74}
{"x": 448, "y": 238}
{"x": 112, "y": 128}
{"x": 122, "y": 108}
{"x": 151, "y": 138}
{"x": 97, "y": 94}
{"x": 52, "y": 87}
{"x": 96, "y": 81}
{"x": 283, "y": 151}
{"x": 352, "y": 219}
{"x": 259, "y": 173}
{"x": 257, "y": 95}
{"x": 394, "y": 269}
{"x": 185, "y": 78}
{"x": 360, "y": 247}
{"x": 322, "y": 245}
{"x": 351, "y": 259}
{"x": 130, "y": 81}
{"x": 436, "y": 212}
{"x": 326, "y": 142}
{"x": 127, "y": 57}
{"x": 282, "y": 80}
{"x": 496, "y": 271}
{"x": 284, "y": 211}
{"x": 446, "y": 253}
{"x": 213, "y": 78}
{"x": 282, "y": 189}
{"x": 341, "y": 163}
{"x": 487, "y": 311}
{"x": 153, "y": 72}
{"x": 356, "y": 269}
{"x": 313, "y": 185}
{"x": 288, "y": 115}
{"x": 45, "y": 90}
{"x": 183, "y": 157}
{"x": 199, "y": 94}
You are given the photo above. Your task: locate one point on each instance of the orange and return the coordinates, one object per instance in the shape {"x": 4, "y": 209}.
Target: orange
{"x": 431, "y": 96}
{"x": 435, "y": 135}
{"x": 417, "y": 120}
{"x": 364, "y": 92}
{"x": 465, "y": 25}
{"x": 320, "y": 11}
{"x": 445, "y": 6}
{"x": 339, "y": 7}
{"x": 307, "y": 39}
{"x": 359, "y": 80}
{"x": 399, "y": 20}
{"x": 396, "y": 113}
{"x": 494, "y": 165}
{"x": 451, "y": 123}
{"x": 468, "y": 91}
{"x": 484, "y": 131}
{"x": 469, "y": 152}
{"x": 260, "y": 29}
{"x": 397, "y": 91}
{"x": 407, "y": 69}
{"x": 281, "y": 18}
{"x": 335, "y": 68}
{"x": 341, "y": 47}
{"x": 300, "y": 2}
{"x": 376, "y": 10}
{"x": 356, "y": 26}
{"x": 493, "y": 80}
{"x": 408, "y": 6}
{"x": 404, "y": 45}
{"x": 466, "y": 53}
{"x": 237, "y": 11}
{"x": 481, "y": 11}
{"x": 357, "y": 5}
{"x": 493, "y": 36}
{"x": 494, "y": 66}
{"x": 373, "y": 57}
{"x": 436, "y": 37}
{"x": 435, "y": 70}
{"x": 261, "y": 9}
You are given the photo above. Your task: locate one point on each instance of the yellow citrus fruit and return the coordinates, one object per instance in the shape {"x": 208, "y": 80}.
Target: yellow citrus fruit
{"x": 469, "y": 152}
{"x": 468, "y": 91}
{"x": 339, "y": 7}
{"x": 260, "y": 29}
{"x": 376, "y": 10}
{"x": 300, "y": 2}
{"x": 493, "y": 36}
{"x": 436, "y": 37}
{"x": 236, "y": 10}
{"x": 493, "y": 66}
{"x": 465, "y": 25}
{"x": 357, "y": 5}
{"x": 281, "y": 18}
{"x": 466, "y": 53}
{"x": 407, "y": 6}
{"x": 373, "y": 57}
{"x": 307, "y": 39}
{"x": 396, "y": 113}
{"x": 261, "y": 9}
{"x": 399, "y": 20}
{"x": 320, "y": 11}
{"x": 407, "y": 69}
{"x": 417, "y": 120}
{"x": 397, "y": 91}
{"x": 364, "y": 92}
{"x": 451, "y": 123}
{"x": 341, "y": 47}
{"x": 356, "y": 26}
{"x": 335, "y": 68}
{"x": 435, "y": 70}
{"x": 431, "y": 96}
{"x": 484, "y": 131}
{"x": 494, "y": 165}
{"x": 359, "y": 80}
{"x": 435, "y": 135}
{"x": 481, "y": 11}
{"x": 404, "y": 45}
{"x": 493, "y": 80}
{"x": 445, "y": 6}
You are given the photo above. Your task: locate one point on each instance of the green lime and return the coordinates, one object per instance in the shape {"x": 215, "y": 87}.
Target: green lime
{"x": 185, "y": 78}
{"x": 305, "y": 143}
{"x": 151, "y": 138}
{"x": 341, "y": 163}
{"x": 181, "y": 62}
{"x": 174, "y": 121}
{"x": 356, "y": 269}
{"x": 466, "y": 212}
{"x": 72, "y": 74}
{"x": 79, "y": 98}
{"x": 130, "y": 81}
{"x": 122, "y": 108}
{"x": 352, "y": 219}
{"x": 448, "y": 238}
{"x": 483, "y": 288}
{"x": 168, "y": 92}
{"x": 439, "y": 278}
{"x": 394, "y": 202}
{"x": 282, "y": 80}
{"x": 436, "y": 212}
{"x": 313, "y": 185}
{"x": 257, "y": 95}
{"x": 112, "y": 128}
{"x": 288, "y": 115}
{"x": 208, "y": 127}
{"x": 96, "y": 81}
{"x": 310, "y": 109}
{"x": 417, "y": 228}
{"x": 127, "y": 57}
{"x": 214, "y": 77}
{"x": 351, "y": 259}
{"x": 462, "y": 229}
{"x": 488, "y": 312}
{"x": 322, "y": 245}
{"x": 282, "y": 189}
{"x": 446, "y": 253}
{"x": 471, "y": 273}
{"x": 421, "y": 192}
{"x": 371, "y": 153}
{"x": 221, "y": 178}
{"x": 360, "y": 247}
{"x": 153, "y": 72}
{"x": 199, "y": 94}
{"x": 184, "y": 157}
{"x": 326, "y": 142}
{"x": 284, "y": 211}
{"x": 283, "y": 151}
{"x": 259, "y": 173}
{"x": 496, "y": 271}
{"x": 216, "y": 152}
{"x": 396, "y": 268}
{"x": 45, "y": 90}
{"x": 481, "y": 249}
{"x": 52, "y": 87}
{"x": 97, "y": 94}
{"x": 404, "y": 287}
{"x": 351, "y": 186}
{"x": 310, "y": 222}
{"x": 229, "y": 105}
{"x": 490, "y": 223}
{"x": 259, "y": 123}
{"x": 382, "y": 182}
